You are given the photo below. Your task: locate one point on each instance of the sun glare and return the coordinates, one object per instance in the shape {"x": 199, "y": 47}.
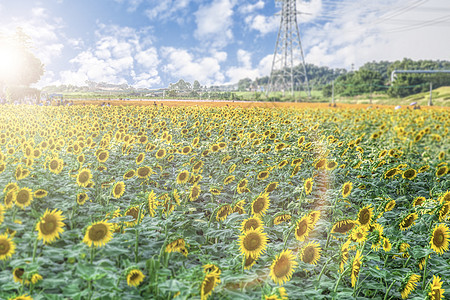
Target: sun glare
{"x": 10, "y": 62}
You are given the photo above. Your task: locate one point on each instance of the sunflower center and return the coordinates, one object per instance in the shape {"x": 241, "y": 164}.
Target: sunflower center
{"x": 134, "y": 276}
{"x": 438, "y": 239}
{"x": 194, "y": 192}
{"x": 83, "y": 177}
{"x": 132, "y": 212}
{"x": 364, "y": 216}
{"x": 19, "y": 273}
{"x": 282, "y": 267}
{"x": 308, "y": 255}
{"x": 301, "y": 228}
{"x": 48, "y": 226}
{"x": 182, "y": 176}
{"x": 252, "y": 241}
{"x": 97, "y": 232}
{"x": 118, "y": 189}
{"x": 4, "y": 247}
{"x": 208, "y": 284}
{"x": 258, "y": 205}
{"x": 53, "y": 164}
{"x": 251, "y": 224}
{"x": 22, "y": 197}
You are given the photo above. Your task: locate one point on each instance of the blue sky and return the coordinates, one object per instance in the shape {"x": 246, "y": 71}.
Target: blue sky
{"x": 151, "y": 43}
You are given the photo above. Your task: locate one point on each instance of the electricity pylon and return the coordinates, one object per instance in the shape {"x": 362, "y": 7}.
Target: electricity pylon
{"x": 284, "y": 76}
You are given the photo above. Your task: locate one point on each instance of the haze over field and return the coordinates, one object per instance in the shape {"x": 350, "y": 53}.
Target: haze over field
{"x": 148, "y": 43}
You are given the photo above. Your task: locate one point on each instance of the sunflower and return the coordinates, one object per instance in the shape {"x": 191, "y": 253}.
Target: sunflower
{"x": 260, "y": 205}
{"x": 359, "y": 235}
{"x": 281, "y": 218}
{"x": 249, "y": 262}
{"x": 98, "y": 234}
{"x": 331, "y": 165}
{"x": 12, "y": 186}
{"x": 436, "y": 292}
{"x": 195, "y": 192}
{"x": 356, "y": 267}
{"x": 251, "y": 223}
{"x": 391, "y": 173}
{"x": 129, "y": 174}
{"x": 183, "y": 177}
{"x": 387, "y": 246}
{"x": 343, "y": 226}
{"x": 178, "y": 245}
{"x": 152, "y": 203}
{"x": 10, "y": 198}
{"x": 210, "y": 281}
{"x": 408, "y": 221}
{"x": 56, "y": 165}
{"x": 18, "y": 275}
{"x": 418, "y": 201}
{"x": 103, "y": 156}
{"x": 134, "y": 212}
{"x": 82, "y": 198}
{"x": 445, "y": 197}
{"x": 242, "y": 186}
{"x": 365, "y": 216}
{"x": 186, "y": 150}
{"x": 35, "y": 278}
{"x": 321, "y": 163}
{"x": 135, "y": 277}
{"x": 308, "y": 184}
{"x": 239, "y": 207}
{"x": 347, "y": 189}
{"x": 50, "y": 226}
{"x": 440, "y": 238}
{"x": 283, "y": 267}
{"x": 282, "y": 163}
{"x": 443, "y": 212}
{"x": 84, "y": 176}
{"x": 24, "y": 197}
{"x": 223, "y": 212}
{"x": 140, "y": 158}
{"x": 160, "y": 153}
{"x": 441, "y": 171}
{"x": 423, "y": 168}
{"x": 409, "y": 174}
{"x": 144, "y": 172}
{"x": 389, "y": 205}
{"x": 314, "y": 216}
{"x": 303, "y": 228}
{"x": 410, "y": 285}
{"x": 40, "y": 193}
{"x": 263, "y": 175}
{"x": 7, "y": 247}
{"x": 271, "y": 187}
{"x": 311, "y": 253}
{"x": 118, "y": 189}
{"x": 253, "y": 242}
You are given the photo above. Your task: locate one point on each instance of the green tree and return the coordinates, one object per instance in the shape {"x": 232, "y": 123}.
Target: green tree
{"x": 196, "y": 86}
{"x": 244, "y": 84}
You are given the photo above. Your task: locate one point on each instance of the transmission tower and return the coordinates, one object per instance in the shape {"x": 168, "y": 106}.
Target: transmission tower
{"x": 288, "y": 53}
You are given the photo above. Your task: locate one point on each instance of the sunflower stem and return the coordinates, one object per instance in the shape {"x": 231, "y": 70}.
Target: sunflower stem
{"x": 287, "y": 237}
{"x": 425, "y": 272}
{"x": 92, "y": 255}
{"x": 339, "y": 278}
{"x": 34, "y": 250}
{"x": 389, "y": 289}
{"x": 323, "y": 268}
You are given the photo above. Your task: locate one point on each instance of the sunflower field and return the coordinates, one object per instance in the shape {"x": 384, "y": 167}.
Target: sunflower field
{"x": 195, "y": 202}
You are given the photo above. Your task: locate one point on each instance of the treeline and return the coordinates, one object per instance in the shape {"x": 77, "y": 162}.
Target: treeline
{"x": 372, "y": 77}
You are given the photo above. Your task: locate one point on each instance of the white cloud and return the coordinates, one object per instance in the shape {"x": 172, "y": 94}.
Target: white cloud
{"x": 263, "y": 24}
{"x": 214, "y": 22}
{"x": 166, "y": 10}
{"x": 182, "y": 64}
{"x": 119, "y": 56}
{"x": 249, "y": 8}
{"x": 358, "y": 32}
